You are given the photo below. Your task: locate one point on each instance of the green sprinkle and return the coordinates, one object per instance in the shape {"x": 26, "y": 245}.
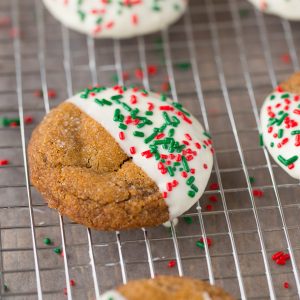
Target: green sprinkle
{"x": 272, "y": 97}
{"x": 190, "y": 180}
{"x": 284, "y": 96}
{"x": 170, "y": 171}
{"x": 251, "y": 179}
{"x": 294, "y": 132}
{"x": 191, "y": 194}
{"x": 188, "y": 220}
{"x": 185, "y": 164}
{"x": 47, "y": 241}
{"x": 179, "y": 107}
{"x": 207, "y": 134}
{"x": 123, "y": 126}
{"x": 183, "y": 66}
{"x": 200, "y": 244}
{"x": 117, "y": 115}
{"x": 194, "y": 188}
{"x": 171, "y": 132}
{"x": 279, "y": 122}
{"x": 261, "y": 140}
{"x": 151, "y": 137}
{"x": 5, "y": 287}
{"x": 116, "y": 97}
{"x": 127, "y": 107}
{"x": 167, "y": 118}
{"x": 163, "y": 97}
{"x": 162, "y": 128}
{"x": 280, "y": 133}
{"x": 149, "y": 113}
{"x": 287, "y": 162}
{"x": 138, "y": 133}
{"x": 272, "y": 144}
{"x": 57, "y": 250}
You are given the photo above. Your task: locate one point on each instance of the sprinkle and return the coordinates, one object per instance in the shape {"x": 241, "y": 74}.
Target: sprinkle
{"x": 28, "y": 119}
{"x": 258, "y": 193}
{"x": 251, "y": 179}
{"x": 132, "y": 150}
{"x": 185, "y": 164}
{"x": 57, "y": 250}
{"x": 289, "y": 161}
{"x": 4, "y": 162}
{"x": 201, "y": 244}
{"x": 72, "y": 282}
{"x": 213, "y": 198}
{"x": 261, "y": 140}
{"x": 183, "y": 66}
{"x": 285, "y": 58}
{"x": 188, "y": 220}
{"x": 214, "y": 186}
{"x": 5, "y": 287}
{"x": 172, "y": 263}
{"x": 286, "y": 285}
{"x": 208, "y": 207}
{"x": 191, "y": 194}
{"x": 122, "y": 135}
{"x": 138, "y": 133}
{"x": 47, "y": 241}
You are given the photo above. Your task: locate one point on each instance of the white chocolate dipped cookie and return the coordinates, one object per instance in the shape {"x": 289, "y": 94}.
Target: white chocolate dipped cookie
{"x": 116, "y": 18}
{"x": 125, "y": 158}
{"x": 287, "y": 9}
{"x": 280, "y": 125}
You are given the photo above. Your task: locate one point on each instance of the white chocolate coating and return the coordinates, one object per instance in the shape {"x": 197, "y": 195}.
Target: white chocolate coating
{"x": 288, "y": 9}
{"x": 280, "y": 123}
{"x": 112, "y": 295}
{"x": 182, "y": 174}
{"x": 116, "y": 18}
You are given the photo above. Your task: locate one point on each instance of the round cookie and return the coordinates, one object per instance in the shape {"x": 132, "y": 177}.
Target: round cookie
{"x": 116, "y": 18}
{"x": 167, "y": 288}
{"x": 280, "y": 123}
{"x": 288, "y": 9}
{"x": 117, "y": 158}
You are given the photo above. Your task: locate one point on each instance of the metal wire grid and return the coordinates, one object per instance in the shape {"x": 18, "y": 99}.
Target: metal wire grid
{"x": 234, "y": 61}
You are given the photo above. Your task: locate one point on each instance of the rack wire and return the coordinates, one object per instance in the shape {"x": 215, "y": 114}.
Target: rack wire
{"x": 237, "y": 55}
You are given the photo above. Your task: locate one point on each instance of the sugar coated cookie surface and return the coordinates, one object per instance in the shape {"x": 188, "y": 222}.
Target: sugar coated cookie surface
{"x": 116, "y": 18}
{"x": 280, "y": 123}
{"x": 123, "y": 158}
{"x": 167, "y": 288}
{"x": 288, "y": 9}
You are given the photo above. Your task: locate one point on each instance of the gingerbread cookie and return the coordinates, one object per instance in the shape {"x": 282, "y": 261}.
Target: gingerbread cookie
{"x": 167, "y": 288}
{"x": 288, "y": 9}
{"x": 117, "y": 158}
{"x": 116, "y": 18}
{"x": 280, "y": 123}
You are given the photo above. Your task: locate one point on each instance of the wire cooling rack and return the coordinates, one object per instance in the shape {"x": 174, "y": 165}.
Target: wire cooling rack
{"x": 236, "y": 56}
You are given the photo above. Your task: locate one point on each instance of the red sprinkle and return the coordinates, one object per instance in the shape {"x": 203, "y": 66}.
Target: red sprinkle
{"x": 184, "y": 174}
{"x": 213, "y": 198}
{"x": 72, "y": 282}
{"x": 285, "y": 58}
{"x": 28, "y": 119}
{"x": 214, "y": 186}
{"x": 276, "y": 255}
{"x": 122, "y": 135}
{"x": 152, "y": 70}
{"x": 133, "y": 99}
{"x": 172, "y": 263}
{"x": 208, "y": 240}
{"x": 209, "y": 207}
{"x": 192, "y": 171}
{"x": 4, "y": 162}
{"x": 286, "y": 285}
{"x": 258, "y": 193}
{"x": 132, "y": 150}
{"x": 164, "y": 195}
